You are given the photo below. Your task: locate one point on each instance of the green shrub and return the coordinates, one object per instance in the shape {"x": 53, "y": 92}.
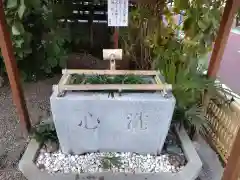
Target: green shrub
{"x": 39, "y": 39}
{"x": 45, "y": 132}
{"x": 154, "y": 40}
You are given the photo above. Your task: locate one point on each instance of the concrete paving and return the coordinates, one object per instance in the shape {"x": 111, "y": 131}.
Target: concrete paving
{"x": 212, "y": 168}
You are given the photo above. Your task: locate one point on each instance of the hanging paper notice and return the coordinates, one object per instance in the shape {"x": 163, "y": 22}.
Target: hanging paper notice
{"x": 117, "y": 13}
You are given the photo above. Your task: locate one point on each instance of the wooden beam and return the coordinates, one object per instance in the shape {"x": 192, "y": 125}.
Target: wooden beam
{"x": 118, "y": 87}
{"x": 222, "y": 37}
{"x": 109, "y": 72}
{"x": 12, "y": 71}
{"x": 231, "y": 171}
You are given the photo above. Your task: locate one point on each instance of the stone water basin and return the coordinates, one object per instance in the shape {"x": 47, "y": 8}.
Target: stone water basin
{"x": 127, "y": 122}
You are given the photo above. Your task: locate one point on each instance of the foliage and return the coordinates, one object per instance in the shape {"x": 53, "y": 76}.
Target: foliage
{"x": 104, "y": 79}
{"x": 156, "y": 40}
{"x": 45, "y": 132}
{"x": 143, "y": 22}
{"x": 189, "y": 84}
{"x": 110, "y": 161}
{"x": 152, "y": 26}
{"x": 38, "y": 37}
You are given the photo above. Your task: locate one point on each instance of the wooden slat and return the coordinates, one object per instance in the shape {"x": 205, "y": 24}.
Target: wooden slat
{"x": 103, "y": 7}
{"x": 13, "y": 73}
{"x": 131, "y": 87}
{"x": 109, "y": 72}
{"x": 74, "y": 17}
{"x": 80, "y": 7}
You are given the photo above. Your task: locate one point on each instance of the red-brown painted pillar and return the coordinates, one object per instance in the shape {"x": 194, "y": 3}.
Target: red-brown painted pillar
{"x": 116, "y": 37}
{"x": 232, "y": 169}
{"x": 12, "y": 71}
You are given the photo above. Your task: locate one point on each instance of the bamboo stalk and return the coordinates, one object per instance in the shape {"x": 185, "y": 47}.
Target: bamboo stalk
{"x": 65, "y": 79}
{"x": 157, "y": 79}
{"x": 109, "y": 72}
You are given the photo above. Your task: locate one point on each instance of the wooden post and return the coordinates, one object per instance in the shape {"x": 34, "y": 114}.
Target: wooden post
{"x": 12, "y": 71}
{"x": 90, "y": 23}
{"x": 231, "y": 171}
{"x": 222, "y": 37}
{"x": 115, "y": 37}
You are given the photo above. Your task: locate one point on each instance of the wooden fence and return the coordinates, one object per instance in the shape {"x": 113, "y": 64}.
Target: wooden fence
{"x": 223, "y": 115}
{"x": 87, "y": 21}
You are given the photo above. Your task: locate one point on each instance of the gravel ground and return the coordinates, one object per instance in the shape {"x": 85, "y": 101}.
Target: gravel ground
{"x": 12, "y": 144}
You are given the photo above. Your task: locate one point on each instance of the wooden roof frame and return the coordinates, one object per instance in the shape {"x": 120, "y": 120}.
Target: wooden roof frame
{"x": 233, "y": 166}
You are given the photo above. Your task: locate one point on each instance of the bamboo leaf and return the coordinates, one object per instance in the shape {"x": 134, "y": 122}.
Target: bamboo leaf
{"x": 202, "y": 25}
{"x": 12, "y": 4}
{"x": 179, "y": 4}
{"x": 17, "y": 28}
{"x": 21, "y": 9}
{"x": 187, "y": 23}
{"x": 33, "y": 4}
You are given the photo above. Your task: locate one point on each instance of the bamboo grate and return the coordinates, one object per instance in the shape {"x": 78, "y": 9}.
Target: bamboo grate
{"x": 224, "y": 120}
{"x": 64, "y": 84}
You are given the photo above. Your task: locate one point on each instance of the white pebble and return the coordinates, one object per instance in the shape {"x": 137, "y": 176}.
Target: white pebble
{"x": 72, "y": 158}
{"x": 91, "y": 162}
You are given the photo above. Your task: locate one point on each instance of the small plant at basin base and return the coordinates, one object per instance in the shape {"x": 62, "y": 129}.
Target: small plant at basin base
{"x": 45, "y": 132}
{"x": 105, "y": 79}
{"x": 111, "y": 161}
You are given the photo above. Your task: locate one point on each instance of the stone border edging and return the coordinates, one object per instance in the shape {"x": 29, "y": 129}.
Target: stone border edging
{"x": 189, "y": 172}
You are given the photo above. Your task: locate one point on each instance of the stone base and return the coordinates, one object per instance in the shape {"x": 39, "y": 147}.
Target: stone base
{"x": 189, "y": 172}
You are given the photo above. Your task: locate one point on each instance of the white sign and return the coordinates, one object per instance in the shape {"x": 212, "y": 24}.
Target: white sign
{"x": 117, "y": 13}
